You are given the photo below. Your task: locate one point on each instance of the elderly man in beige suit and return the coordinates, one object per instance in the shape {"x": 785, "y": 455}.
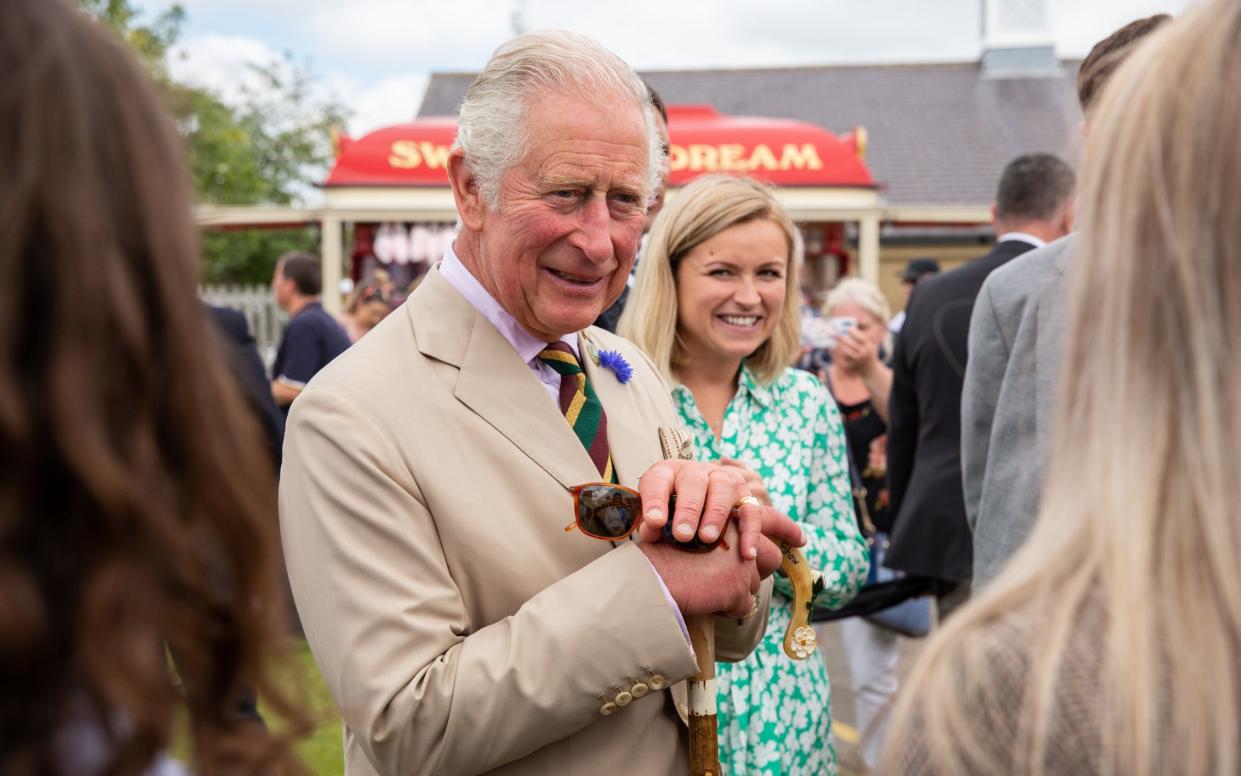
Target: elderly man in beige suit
{"x": 423, "y": 501}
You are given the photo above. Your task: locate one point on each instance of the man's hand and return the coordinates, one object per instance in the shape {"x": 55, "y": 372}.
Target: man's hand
{"x": 706, "y": 495}
{"x": 720, "y": 581}
{"x": 715, "y": 582}
{"x": 752, "y": 479}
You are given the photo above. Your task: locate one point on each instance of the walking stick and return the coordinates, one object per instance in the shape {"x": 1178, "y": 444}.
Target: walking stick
{"x": 799, "y": 643}
{"x": 799, "y": 639}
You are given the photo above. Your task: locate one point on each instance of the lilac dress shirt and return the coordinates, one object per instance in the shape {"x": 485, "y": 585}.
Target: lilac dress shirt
{"x": 528, "y": 347}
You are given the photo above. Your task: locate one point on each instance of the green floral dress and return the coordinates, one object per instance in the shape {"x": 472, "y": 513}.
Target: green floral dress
{"x": 775, "y": 713}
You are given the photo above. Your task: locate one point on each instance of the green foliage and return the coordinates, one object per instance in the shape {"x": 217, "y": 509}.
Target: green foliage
{"x": 268, "y": 145}
{"x": 249, "y": 256}
{"x": 149, "y": 41}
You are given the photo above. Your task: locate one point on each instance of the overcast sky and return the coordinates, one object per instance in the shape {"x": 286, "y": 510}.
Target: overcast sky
{"x": 375, "y": 55}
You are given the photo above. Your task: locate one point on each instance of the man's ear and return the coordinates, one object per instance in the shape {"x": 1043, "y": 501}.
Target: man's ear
{"x": 1069, "y": 215}
{"x": 465, "y": 192}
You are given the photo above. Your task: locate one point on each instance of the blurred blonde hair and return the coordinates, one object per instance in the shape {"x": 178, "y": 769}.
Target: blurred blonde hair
{"x": 1138, "y": 521}
{"x": 704, "y": 208}
{"x": 862, "y": 293}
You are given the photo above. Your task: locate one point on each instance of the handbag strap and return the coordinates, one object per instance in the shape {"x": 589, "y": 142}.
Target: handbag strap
{"x": 856, "y": 484}
{"x": 859, "y": 495}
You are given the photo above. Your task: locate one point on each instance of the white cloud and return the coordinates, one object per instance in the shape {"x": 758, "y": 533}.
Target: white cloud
{"x": 224, "y": 65}
{"x": 1078, "y": 26}
{"x": 220, "y": 63}
{"x": 733, "y": 33}
{"x": 392, "y": 100}
{"x": 375, "y": 55}
{"x": 403, "y": 35}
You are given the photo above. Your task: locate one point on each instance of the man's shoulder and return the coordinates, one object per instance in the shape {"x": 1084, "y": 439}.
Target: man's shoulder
{"x": 378, "y": 368}
{"x": 1015, "y": 282}
{"x": 230, "y": 322}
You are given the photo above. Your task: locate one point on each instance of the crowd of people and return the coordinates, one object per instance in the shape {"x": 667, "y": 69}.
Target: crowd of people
{"x": 1042, "y": 445}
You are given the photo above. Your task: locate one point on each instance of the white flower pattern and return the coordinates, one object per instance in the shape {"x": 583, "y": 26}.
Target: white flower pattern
{"x": 775, "y": 713}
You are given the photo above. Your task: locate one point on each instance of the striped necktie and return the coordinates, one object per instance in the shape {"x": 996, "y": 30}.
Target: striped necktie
{"x": 581, "y": 406}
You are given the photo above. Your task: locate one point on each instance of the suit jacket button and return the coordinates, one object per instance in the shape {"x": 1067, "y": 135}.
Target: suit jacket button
{"x": 639, "y": 690}
{"x": 607, "y": 708}
{"x": 623, "y": 698}
{"x": 658, "y": 682}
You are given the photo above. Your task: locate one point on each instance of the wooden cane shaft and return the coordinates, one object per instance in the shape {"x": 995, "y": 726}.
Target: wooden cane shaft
{"x": 704, "y": 756}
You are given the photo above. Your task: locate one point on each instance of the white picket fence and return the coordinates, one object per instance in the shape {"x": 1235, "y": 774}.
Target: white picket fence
{"x": 267, "y": 321}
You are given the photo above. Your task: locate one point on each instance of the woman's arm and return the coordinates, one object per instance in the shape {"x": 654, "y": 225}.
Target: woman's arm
{"x": 834, "y": 544}
{"x": 877, "y": 377}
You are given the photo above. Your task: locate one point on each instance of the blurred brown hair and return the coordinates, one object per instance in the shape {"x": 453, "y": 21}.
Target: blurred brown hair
{"x": 137, "y": 506}
{"x": 1107, "y": 55}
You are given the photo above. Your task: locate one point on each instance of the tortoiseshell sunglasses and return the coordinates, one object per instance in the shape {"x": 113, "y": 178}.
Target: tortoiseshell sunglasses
{"x": 610, "y": 512}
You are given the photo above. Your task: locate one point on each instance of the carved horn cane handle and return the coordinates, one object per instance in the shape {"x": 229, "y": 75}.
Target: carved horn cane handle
{"x": 799, "y": 640}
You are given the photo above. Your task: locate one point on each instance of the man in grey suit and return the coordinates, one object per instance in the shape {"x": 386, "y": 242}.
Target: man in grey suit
{"x": 1014, "y": 354}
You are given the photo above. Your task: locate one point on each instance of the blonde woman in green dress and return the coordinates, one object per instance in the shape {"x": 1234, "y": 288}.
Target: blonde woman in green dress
{"x": 716, "y": 308}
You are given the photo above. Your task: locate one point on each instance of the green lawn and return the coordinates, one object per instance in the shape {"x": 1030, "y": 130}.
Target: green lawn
{"x": 323, "y": 750}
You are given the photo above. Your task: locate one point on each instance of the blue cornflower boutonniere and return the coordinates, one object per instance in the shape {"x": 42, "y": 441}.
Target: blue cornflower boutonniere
{"x": 612, "y": 359}
{"x": 608, "y": 359}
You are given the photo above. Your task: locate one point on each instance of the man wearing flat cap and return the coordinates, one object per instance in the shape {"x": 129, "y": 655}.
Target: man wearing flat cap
{"x": 426, "y": 486}
{"x": 915, "y": 271}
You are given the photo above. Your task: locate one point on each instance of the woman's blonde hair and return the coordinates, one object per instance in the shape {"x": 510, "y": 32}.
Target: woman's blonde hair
{"x": 700, "y": 211}
{"x": 1132, "y": 564}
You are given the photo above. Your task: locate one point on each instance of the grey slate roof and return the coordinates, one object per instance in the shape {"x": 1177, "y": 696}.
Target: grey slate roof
{"x": 939, "y": 133}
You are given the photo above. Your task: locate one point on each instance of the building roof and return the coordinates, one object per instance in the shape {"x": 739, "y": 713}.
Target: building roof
{"x": 939, "y": 134}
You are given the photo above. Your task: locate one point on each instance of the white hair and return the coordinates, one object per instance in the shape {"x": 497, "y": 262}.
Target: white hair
{"x": 492, "y": 126}
{"x": 862, "y": 293}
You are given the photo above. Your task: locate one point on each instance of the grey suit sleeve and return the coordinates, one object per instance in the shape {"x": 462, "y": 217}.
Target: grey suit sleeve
{"x": 984, "y": 375}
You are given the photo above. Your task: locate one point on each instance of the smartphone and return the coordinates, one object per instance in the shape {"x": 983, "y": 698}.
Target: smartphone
{"x": 836, "y": 328}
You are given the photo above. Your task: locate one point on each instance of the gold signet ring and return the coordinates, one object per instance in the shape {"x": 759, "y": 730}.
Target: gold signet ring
{"x": 746, "y": 500}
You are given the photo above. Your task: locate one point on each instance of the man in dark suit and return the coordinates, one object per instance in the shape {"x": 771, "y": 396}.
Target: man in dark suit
{"x": 247, "y": 365}
{"x": 930, "y": 537}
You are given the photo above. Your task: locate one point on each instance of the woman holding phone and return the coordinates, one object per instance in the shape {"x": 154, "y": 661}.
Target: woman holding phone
{"x": 716, "y": 309}
{"x": 858, "y": 317}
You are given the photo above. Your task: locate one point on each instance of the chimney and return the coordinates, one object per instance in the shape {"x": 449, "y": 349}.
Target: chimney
{"x": 1017, "y": 39}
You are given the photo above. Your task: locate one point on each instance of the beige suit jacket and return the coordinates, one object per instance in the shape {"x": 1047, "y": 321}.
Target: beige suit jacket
{"x": 460, "y": 629}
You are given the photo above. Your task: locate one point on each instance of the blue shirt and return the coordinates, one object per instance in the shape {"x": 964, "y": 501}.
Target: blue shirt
{"x": 312, "y": 339}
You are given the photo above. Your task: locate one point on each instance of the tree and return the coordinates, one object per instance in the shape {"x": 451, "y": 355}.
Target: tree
{"x": 267, "y": 145}
{"x": 149, "y": 41}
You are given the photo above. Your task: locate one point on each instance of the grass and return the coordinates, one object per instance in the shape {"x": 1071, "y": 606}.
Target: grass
{"x": 322, "y": 751}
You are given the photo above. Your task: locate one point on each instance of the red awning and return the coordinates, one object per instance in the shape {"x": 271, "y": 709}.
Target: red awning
{"x": 414, "y": 154}
{"x": 780, "y": 151}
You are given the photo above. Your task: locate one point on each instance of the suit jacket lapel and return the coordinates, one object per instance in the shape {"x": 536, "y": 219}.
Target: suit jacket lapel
{"x": 495, "y": 383}
{"x": 630, "y": 447}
